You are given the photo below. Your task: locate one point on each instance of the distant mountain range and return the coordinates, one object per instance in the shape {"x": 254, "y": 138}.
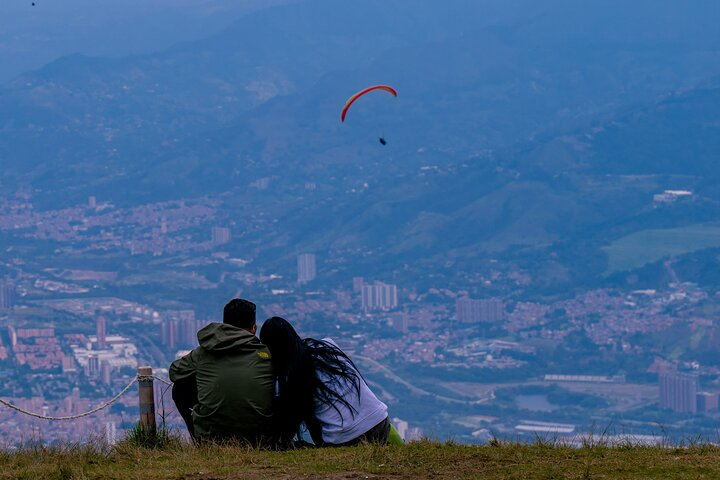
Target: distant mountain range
{"x": 33, "y": 34}
{"x": 537, "y": 130}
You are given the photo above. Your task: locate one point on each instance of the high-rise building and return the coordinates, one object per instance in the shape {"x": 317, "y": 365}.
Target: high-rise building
{"x": 414, "y": 434}
{"x": 358, "y": 283}
{"x": 179, "y": 329}
{"x": 306, "y": 267}
{"x": 100, "y": 331}
{"x": 68, "y": 405}
{"x": 406, "y": 433}
{"x": 68, "y": 364}
{"x": 110, "y": 433}
{"x": 402, "y": 427}
{"x": 7, "y": 294}
{"x": 678, "y": 392}
{"x": 92, "y": 201}
{"x": 468, "y": 310}
{"x": 379, "y": 296}
{"x": 187, "y": 335}
{"x": 12, "y": 334}
{"x": 93, "y": 366}
{"x": 167, "y": 334}
{"x": 399, "y": 322}
{"x": 220, "y": 235}
{"x": 707, "y": 402}
{"x": 105, "y": 372}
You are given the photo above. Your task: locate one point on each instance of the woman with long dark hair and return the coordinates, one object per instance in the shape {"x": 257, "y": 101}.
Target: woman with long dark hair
{"x": 320, "y": 386}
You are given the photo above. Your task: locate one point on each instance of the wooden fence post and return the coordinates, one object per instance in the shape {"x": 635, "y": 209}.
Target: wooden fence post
{"x": 147, "y": 398}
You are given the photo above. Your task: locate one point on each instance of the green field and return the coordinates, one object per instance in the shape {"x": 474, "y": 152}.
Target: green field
{"x": 540, "y": 461}
{"x": 648, "y": 246}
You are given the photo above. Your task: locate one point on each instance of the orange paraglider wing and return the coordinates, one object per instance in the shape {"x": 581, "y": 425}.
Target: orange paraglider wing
{"x": 359, "y": 94}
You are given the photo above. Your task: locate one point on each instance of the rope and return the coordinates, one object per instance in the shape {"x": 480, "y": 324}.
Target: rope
{"x": 94, "y": 410}
{"x": 170, "y": 384}
{"x": 80, "y": 415}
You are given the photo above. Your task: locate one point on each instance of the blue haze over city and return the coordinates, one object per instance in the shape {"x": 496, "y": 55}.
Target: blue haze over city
{"x": 534, "y": 251}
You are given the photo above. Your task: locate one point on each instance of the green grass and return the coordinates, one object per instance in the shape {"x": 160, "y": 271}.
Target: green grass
{"x": 417, "y": 460}
{"x": 157, "y": 438}
{"x": 648, "y": 246}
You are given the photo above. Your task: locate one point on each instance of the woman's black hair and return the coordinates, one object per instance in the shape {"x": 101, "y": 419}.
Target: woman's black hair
{"x": 309, "y": 372}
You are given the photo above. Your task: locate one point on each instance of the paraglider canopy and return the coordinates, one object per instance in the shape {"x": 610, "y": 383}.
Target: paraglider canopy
{"x": 359, "y": 94}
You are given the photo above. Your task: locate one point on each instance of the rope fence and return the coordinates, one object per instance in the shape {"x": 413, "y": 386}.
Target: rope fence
{"x": 144, "y": 379}
{"x": 162, "y": 380}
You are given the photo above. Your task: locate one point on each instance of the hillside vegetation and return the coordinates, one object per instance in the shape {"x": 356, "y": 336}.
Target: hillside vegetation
{"x": 647, "y": 246}
{"x": 534, "y": 134}
{"x": 416, "y": 460}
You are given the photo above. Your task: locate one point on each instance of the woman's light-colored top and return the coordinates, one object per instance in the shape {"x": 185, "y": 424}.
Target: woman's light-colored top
{"x": 342, "y": 424}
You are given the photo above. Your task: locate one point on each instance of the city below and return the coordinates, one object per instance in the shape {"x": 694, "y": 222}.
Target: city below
{"x": 92, "y": 292}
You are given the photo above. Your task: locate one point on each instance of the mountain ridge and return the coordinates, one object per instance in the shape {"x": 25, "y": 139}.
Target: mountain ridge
{"x": 504, "y": 138}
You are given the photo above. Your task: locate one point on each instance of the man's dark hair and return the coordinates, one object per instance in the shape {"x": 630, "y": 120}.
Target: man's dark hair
{"x": 239, "y": 313}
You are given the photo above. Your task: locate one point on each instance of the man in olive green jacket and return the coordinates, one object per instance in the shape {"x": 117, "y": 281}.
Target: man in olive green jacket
{"x": 224, "y": 388}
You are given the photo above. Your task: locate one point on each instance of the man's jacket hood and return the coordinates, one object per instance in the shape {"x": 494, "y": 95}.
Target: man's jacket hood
{"x": 224, "y": 338}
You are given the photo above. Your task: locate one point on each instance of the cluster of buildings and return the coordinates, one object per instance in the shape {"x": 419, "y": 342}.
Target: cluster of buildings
{"x": 680, "y": 392}
{"x": 438, "y": 333}
{"x": 179, "y": 329}
{"x": 376, "y": 296}
{"x": 606, "y": 317}
{"x": 671, "y": 196}
{"x": 160, "y": 228}
{"x": 37, "y": 348}
{"x": 468, "y": 310}
{"x": 406, "y": 432}
{"x": 220, "y": 235}
{"x": 41, "y": 349}
{"x": 100, "y": 357}
{"x": 105, "y": 425}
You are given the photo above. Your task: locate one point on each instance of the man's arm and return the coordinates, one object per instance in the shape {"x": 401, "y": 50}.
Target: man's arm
{"x": 184, "y": 391}
{"x": 184, "y": 367}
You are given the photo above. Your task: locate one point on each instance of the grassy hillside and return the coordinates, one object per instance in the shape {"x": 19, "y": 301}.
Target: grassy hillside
{"x": 417, "y": 460}
{"x": 647, "y": 246}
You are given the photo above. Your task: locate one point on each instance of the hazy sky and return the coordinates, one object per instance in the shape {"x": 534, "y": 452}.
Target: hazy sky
{"x": 31, "y": 36}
